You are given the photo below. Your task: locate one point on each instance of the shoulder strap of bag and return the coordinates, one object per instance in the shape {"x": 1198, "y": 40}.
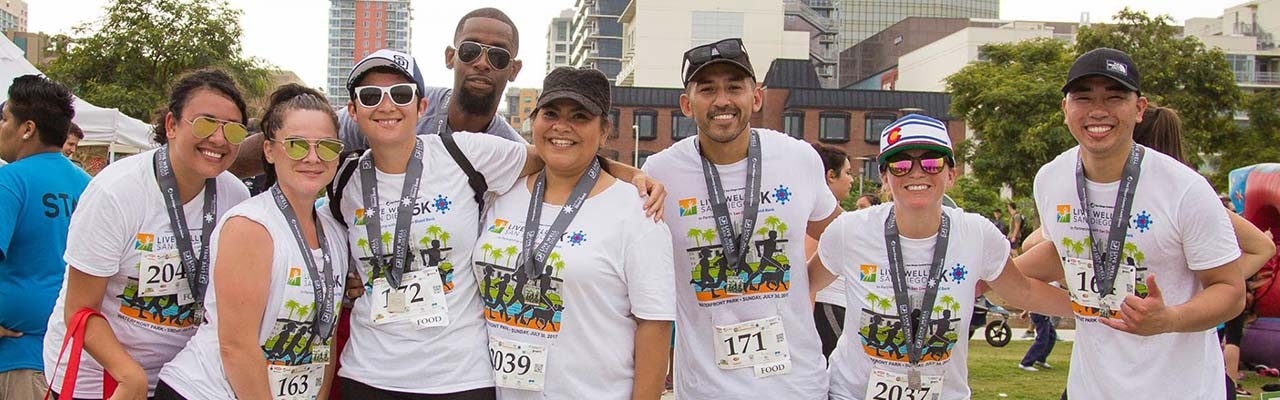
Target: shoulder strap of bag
{"x": 474, "y": 178}
{"x": 75, "y": 336}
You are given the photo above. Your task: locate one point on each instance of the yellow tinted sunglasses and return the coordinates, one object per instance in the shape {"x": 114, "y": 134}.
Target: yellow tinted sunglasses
{"x": 204, "y": 127}
{"x": 297, "y": 148}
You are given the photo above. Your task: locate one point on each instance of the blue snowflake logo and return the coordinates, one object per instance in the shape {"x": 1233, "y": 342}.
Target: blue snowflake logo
{"x": 577, "y": 238}
{"x": 1142, "y": 221}
{"x": 958, "y": 273}
{"x": 441, "y": 204}
{"x": 782, "y": 194}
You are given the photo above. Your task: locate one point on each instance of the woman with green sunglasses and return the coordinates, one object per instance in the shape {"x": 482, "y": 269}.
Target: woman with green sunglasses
{"x": 277, "y": 265}
{"x": 137, "y": 249}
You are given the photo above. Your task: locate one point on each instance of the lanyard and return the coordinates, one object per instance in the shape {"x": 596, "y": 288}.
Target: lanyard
{"x": 448, "y": 97}
{"x": 735, "y": 247}
{"x": 322, "y": 287}
{"x": 1106, "y": 259}
{"x": 404, "y": 215}
{"x": 536, "y": 260}
{"x": 178, "y": 222}
{"x": 898, "y": 275}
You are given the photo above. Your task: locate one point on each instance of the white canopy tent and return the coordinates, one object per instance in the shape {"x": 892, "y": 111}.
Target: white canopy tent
{"x": 101, "y": 126}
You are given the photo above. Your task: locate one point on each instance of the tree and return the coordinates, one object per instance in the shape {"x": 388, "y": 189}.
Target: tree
{"x": 128, "y": 58}
{"x": 1013, "y": 101}
{"x": 975, "y": 197}
{"x": 1258, "y": 141}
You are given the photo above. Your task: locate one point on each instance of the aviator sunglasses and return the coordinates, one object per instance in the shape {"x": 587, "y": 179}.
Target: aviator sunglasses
{"x": 931, "y": 163}
{"x": 203, "y": 127}
{"x": 297, "y": 148}
{"x": 401, "y": 94}
{"x": 469, "y": 52}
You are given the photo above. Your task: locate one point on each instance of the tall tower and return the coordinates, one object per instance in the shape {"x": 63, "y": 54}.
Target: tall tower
{"x": 358, "y": 28}
{"x": 559, "y": 40}
{"x": 859, "y": 19}
{"x": 597, "y": 36}
{"x": 13, "y": 16}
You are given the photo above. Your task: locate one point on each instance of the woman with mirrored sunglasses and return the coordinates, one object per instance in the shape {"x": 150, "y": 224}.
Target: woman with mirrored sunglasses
{"x": 277, "y": 269}
{"x": 576, "y": 284}
{"x": 912, "y": 277}
{"x": 137, "y": 250}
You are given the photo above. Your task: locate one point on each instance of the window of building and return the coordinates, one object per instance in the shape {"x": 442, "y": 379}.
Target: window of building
{"x": 561, "y": 60}
{"x": 875, "y": 124}
{"x": 682, "y": 126}
{"x": 647, "y": 123}
{"x": 833, "y": 126}
{"x": 613, "y": 120}
{"x": 561, "y": 48}
{"x": 644, "y": 155}
{"x": 870, "y": 169}
{"x": 712, "y": 26}
{"x": 793, "y": 124}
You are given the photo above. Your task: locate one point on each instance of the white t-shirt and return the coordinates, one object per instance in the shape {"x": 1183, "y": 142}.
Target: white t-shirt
{"x": 1176, "y": 227}
{"x": 853, "y": 247}
{"x": 286, "y": 327}
{"x": 399, "y": 356}
{"x": 794, "y": 192}
{"x": 121, "y": 217}
{"x": 833, "y": 294}
{"x": 612, "y": 266}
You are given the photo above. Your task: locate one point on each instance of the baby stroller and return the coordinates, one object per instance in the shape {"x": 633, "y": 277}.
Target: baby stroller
{"x": 996, "y": 331}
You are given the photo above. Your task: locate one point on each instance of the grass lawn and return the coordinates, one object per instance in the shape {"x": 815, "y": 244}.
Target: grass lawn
{"x": 994, "y": 373}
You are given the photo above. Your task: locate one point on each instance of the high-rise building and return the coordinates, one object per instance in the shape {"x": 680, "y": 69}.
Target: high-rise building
{"x": 13, "y": 16}
{"x": 816, "y": 18}
{"x": 559, "y": 40}
{"x": 859, "y": 19}
{"x": 358, "y": 28}
{"x": 35, "y": 46}
{"x": 657, "y": 33}
{"x": 520, "y": 102}
{"x": 597, "y": 36}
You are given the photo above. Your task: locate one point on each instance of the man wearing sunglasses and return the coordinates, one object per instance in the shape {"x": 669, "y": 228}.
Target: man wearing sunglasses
{"x": 38, "y": 192}
{"x": 483, "y": 58}
{"x": 1158, "y": 268}
{"x": 742, "y": 298}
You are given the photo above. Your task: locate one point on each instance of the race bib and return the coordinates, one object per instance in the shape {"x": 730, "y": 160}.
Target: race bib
{"x": 320, "y": 354}
{"x": 1083, "y": 284}
{"x": 761, "y": 343}
{"x": 162, "y": 274}
{"x": 885, "y": 385}
{"x": 518, "y": 365}
{"x": 420, "y": 299}
{"x": 297, "y": 382}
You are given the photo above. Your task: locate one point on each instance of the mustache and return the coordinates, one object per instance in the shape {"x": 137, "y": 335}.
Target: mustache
{"x": 722, "y": 110}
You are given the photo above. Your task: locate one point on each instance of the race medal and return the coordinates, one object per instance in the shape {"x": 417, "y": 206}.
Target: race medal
{"x": 888, "y": 385}
{"x": 913, "y": 378}
{"x": 517, "y": 365}
{"x": 753, "y": 343}
{"x": 734, "y": 284}
{"x": 295, "y": 382}
{"x": 395, "y": 302}
{"x": 320, "y": 354}
{"x": 160, "y": 274}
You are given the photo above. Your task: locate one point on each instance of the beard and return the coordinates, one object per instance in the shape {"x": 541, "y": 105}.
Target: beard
{"x": 475, "y": 103}
{"x": 718, "y": 134}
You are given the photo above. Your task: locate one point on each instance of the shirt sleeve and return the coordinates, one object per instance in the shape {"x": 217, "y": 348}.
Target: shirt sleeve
{"x": 10, "y": 204}
{"x": 98, "y": 232}
{"x": 825, "y": 202}
{"x": 349, "y": 132}
{"x": 499, "y": 160}
{"x": 1208, "y": 240}
{"x": 649, "y": 271}
{"x": 831, "y": 245}
{"x": 995, "y": 249}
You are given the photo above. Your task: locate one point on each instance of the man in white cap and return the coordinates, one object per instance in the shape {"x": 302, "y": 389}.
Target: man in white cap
{"x": 1142, "y": 243}
{"x": 743, "y": 199}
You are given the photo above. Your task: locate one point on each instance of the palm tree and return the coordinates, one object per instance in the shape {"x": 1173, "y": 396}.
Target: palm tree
{"x": 304, "y": 310}
{"x": 885, "y": 303}
{"x": 559, "y": 267}
{"x": 872, "y": 299}
{"x": 709, "y": 236}
{"x": 947, "y": 300}
{"x": 1129, "y": 250}
{"x": 511, "y": 252}
{"x": 762, "y": 231}
{"x": 386, "y": 240}
{"x": 782, "y": 228}
{"x": 363, "y": 244}
{"x": 696, "y": 235}
{"x": 486, "y": 248}
{"x": 1068, "y": 244}
{"x": 772, "y": 222}
{"x": 1139, "y": 257}
{"x": 434, "y": 231}
{"x": 444, "y": 239}
{"x": 292, "y": 305}
{"x": 496, "y": 253}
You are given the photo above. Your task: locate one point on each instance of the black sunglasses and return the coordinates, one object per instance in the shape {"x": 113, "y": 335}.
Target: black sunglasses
{"x": 469, "y": 52}
{"x": 724, "y": 49}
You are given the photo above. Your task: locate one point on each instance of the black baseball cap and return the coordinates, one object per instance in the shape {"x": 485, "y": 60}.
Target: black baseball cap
{"x": 1108, "y": 62}
{"x": 585, "y": 86}
{"x": 730, "y": 51}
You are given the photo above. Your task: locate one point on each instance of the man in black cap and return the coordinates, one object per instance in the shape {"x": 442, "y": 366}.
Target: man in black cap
{"x": 747, "y": 186}
{"x": 1143, "y": 331}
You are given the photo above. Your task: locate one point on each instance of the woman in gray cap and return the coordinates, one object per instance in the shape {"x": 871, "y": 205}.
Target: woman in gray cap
{"x": 579, "y": 304}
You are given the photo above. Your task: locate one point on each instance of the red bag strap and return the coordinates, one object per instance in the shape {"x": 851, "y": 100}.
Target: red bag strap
{"x": 75, "y": 336}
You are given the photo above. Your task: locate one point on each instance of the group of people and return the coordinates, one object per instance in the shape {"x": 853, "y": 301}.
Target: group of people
{"x": 428, "y": 269}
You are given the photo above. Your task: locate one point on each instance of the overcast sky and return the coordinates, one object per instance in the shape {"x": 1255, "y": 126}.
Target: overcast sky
{"x": 292, "y": 34}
